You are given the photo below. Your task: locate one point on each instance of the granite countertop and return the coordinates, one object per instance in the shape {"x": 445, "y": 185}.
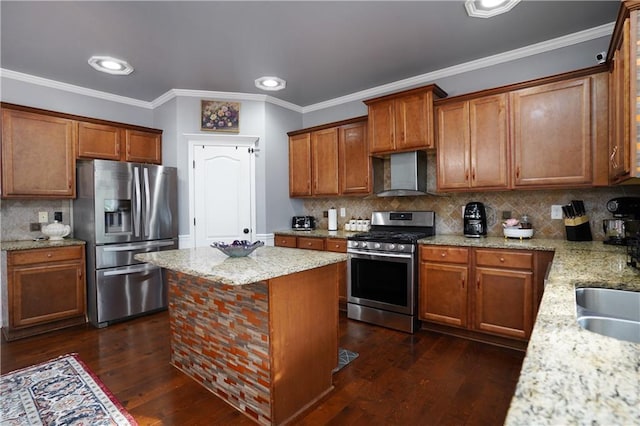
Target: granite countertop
{"x": 571, "y": 375}
{"x": 317, "y": 233}
{"x": 263, "y": 264}
{"x": 30, "y": 244}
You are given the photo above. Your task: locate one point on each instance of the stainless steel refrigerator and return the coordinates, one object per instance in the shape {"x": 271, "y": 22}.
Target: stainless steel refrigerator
{"x": 123, "y": 209}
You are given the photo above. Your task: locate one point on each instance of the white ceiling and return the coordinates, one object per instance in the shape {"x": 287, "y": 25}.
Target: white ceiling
{"x": 323, "y": 49}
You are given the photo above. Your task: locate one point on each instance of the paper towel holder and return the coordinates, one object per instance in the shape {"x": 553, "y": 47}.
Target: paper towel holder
{"x": 332, "y": 219}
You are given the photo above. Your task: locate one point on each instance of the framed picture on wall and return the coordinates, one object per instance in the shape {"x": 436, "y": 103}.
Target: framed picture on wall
{"x": 220, "y": 116}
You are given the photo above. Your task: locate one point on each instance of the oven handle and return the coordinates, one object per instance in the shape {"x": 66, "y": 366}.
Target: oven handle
{"x": 378, "y": 254}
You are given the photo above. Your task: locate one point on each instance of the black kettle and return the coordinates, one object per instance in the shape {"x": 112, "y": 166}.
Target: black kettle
{"x": 475, "y": 220}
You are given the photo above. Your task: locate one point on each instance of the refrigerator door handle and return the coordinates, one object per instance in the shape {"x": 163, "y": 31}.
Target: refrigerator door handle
{"x": 132, "y": 247}
{"x": 138, "y": 201}
{"x": 130, "y": 270}
{"x": 147, "y": 201}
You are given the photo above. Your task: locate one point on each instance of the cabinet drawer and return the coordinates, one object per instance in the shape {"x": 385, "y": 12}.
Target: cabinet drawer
{"x": 285, "y": 241}
{"x": 311, "y": 243}
{"x": 52, "y": 254}
{"x": 504, "y": 259}
{"x": 444, "y": 254}
{"x": 336, "y": 244}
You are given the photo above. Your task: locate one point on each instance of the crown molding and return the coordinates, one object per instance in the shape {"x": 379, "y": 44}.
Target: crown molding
{"x": 53, "y": 84}
{"x": 173, "y": 93}
{"x": 534, "y": 49}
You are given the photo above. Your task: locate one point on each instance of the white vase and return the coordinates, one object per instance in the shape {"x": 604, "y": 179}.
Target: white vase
{"x": 56, "y": 230}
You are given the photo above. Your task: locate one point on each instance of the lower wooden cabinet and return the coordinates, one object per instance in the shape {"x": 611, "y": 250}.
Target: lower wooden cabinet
{"x": 491, "y": 291}
{"x": 338, "y": 245}
{"x": 46, "y": 290}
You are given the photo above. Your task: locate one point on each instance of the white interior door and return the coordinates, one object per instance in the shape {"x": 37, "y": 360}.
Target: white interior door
{"x": 222, "y": 194}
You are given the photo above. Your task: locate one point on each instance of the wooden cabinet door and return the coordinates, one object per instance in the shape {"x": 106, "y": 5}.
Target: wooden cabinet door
{"x": 489, "y": 142}
{"x": 413, "y": 122}
{"x": 620, "y": 109}
{"x": 300, "y": 165}
{"x": 381, "y": 126}
{"x": 38, "y": 158}
{"x": 503, "y": 302}
{"x": 44, "y": 293}
{"x": 324, "y": 162}
{"x": 98, "y": 141}
{"x": 551, "y": 134}
{"x": 453, "y": 146}
{"x": 285, "y": 241}
{"x": 310, "y": 243}
{"x": 443, "y": 293}
{"x": 144, "y": 147}
{"x": 354, "y": 160}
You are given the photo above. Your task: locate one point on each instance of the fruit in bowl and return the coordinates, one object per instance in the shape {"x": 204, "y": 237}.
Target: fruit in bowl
{"x": 238, "y": 248}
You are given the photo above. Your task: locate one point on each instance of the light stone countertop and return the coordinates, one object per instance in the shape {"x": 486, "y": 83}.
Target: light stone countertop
{"x": 571, "y": 376}
{"x": 30, "y": 244}
{"x": 263, "y": 264}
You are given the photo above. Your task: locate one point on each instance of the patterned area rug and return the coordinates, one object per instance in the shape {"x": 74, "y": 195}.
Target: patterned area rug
{"x": 62, "y": 391}
{"x": 345, "y": 356}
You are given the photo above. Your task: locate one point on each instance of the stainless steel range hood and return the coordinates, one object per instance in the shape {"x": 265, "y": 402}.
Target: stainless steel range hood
{"x": 408, "y": 175}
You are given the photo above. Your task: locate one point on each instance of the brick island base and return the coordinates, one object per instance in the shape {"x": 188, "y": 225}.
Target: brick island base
{"x": 267, "y": 348}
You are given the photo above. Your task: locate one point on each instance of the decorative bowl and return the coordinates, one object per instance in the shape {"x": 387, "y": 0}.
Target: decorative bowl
{"x": 56, "y": 230}
{"x": 514, "y": 232}
{"x": 237, "y": 248}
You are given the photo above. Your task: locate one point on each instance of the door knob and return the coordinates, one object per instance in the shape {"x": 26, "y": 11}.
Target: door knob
{"x": 245, "y": 230}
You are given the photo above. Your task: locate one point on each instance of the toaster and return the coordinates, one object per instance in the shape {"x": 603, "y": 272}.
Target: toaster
{"x": 303, "y": 223}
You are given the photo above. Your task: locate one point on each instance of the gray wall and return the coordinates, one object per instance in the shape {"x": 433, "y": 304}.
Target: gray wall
{"x": 37, "y": 96}
{"x": 581, "y": 55}
{"x": 279, "y": 207}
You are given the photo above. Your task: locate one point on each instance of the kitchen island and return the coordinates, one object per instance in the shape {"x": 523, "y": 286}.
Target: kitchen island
{"x": 571, "y": 375}
{"x": 260, "y": 332}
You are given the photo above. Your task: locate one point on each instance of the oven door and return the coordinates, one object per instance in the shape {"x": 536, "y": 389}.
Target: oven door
{"x": 382, "y": 280}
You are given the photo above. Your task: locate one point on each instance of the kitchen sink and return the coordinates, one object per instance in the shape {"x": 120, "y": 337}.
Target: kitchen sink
{"x": 609, "y": 302}
{"x": 613, "y": 313}
{"x": 617, "y": 328}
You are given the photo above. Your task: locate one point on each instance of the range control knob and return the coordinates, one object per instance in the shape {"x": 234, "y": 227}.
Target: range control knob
{"x": 391, "y": 247}
{"x": 401, "y": 247}
{"x": 376, "y": 245}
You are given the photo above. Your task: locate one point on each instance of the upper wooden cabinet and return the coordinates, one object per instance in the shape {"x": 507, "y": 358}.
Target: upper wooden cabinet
{"x": 353, "y": 157}
{"x": 624, "y": 145}
{"x": 546, "y": 133}
{"x": 38, "y": 155}
{"x": 142, "y": 146}
{"x": 551, "y": 134}
{"x": 330, "y": 160}
{"x": 472, "y": 144}
{"x": 324, "y": 162}
{"x": 402, "y": 121}
{"x": 109, "y": 142}
{"x": 300, "y": 165}
{"x": 99, "y": 141}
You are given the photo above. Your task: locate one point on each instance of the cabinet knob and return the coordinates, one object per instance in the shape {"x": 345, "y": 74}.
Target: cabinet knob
{"x": 502, "y": 259}
{"x": 309, "y": 244}
{"x": 443, "y": 254}
{"x": 49, "y": 254}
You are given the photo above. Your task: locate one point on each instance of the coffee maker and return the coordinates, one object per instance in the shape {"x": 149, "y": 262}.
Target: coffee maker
{"x": 475, "y": 220}
{"x": 626, "y": 213}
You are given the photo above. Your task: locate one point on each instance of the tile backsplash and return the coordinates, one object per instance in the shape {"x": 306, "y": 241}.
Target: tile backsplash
{"x": 18, "y": 214}
{"x": 448, "y": 208}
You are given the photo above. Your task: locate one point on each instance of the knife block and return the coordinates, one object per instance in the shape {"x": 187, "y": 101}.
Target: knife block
{"x": 578, "y": 228}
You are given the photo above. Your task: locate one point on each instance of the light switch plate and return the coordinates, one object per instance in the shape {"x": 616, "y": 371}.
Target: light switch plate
{"x": 343, "y": 212}
{"x": 43, "y": 217}
{"x": 556, "y": 211}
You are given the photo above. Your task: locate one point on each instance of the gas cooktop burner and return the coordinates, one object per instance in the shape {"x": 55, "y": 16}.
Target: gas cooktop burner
{"x": 390, "y": 236}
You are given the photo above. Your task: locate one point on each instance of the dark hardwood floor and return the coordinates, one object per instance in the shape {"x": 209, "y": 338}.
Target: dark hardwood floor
{"x": 398, "y": 379}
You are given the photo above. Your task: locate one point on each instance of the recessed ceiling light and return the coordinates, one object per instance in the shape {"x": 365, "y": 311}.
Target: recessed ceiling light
{"x": 110, "y": 65}
{"x": 488, "y": 8}
{"x": 270, "y": 83}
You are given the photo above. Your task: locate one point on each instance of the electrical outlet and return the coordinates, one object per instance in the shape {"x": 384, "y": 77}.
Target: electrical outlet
{"x": 325, "y": 213}
{"x": 343, "y": 212}
{"x": 43, "y": 217}
{"x": 556, "y": 211}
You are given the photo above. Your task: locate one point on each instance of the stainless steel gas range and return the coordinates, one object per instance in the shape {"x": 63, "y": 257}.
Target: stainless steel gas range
{"x": 382, "y": 269}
